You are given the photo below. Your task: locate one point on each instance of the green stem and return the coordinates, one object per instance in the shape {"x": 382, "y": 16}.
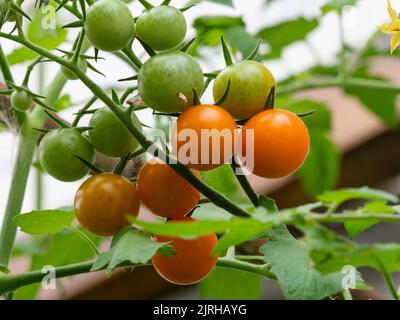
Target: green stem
{"x": 81, "y": 111}
{"x": 26, "y": 149}
{"x": 10, "y": 282}
{"x": 348, "y": 83}
{"x": 248, "y": 189}
{"x": 5, "y": 69}
{"x": 388, "y": 279}
{"x": 133, "y": 58}
{"x": 347, "y": 294}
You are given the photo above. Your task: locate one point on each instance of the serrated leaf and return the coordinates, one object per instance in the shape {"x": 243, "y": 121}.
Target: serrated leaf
{"x": 44, "y": 222}
{"x": 365, "y": 193}
{"x": 130, "y": 247}
{"x": 354, "y": 228}
{"x": 230, "y": 284}
{"x": 291, "y": 264}
{"x": 331, "y": 252}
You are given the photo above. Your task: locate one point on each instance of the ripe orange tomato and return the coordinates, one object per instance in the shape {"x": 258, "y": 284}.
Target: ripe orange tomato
{"x": 103, "y": 203}
{"x": 192, "y": 261}
{"x": 281, "y": 143}
{"x": 164, "y": 191}
{"x": 204, "y": 137}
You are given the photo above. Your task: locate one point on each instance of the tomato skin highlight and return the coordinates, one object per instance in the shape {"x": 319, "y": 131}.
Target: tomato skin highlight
{"x": 109, "y": 25}
{"x": 82, "y": 65}
{"x": 103, "y": 203}
{"x": 164, "y": 192}
{"x": 21, "y": 100}
{"x": 162, "y": 27}
{"x": 250, "y": 85}
{"x": 109, "y": 136}
{"x": 281, "y": 143}
{"x": 164, "y": 76}
{"x": 192, "y": 261}
{"x": 57, "y": 150}
{"x": 205, "y": 117}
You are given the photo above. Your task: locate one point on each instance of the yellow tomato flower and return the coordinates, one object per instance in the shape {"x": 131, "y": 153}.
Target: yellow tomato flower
{"x": 392, "y": 28}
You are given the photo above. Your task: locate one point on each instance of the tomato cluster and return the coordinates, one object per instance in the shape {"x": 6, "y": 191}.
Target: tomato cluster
{"x": 271, "y": 143}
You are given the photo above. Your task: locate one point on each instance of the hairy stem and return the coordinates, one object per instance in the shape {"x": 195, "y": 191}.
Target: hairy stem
{"x": 10, "y": 282}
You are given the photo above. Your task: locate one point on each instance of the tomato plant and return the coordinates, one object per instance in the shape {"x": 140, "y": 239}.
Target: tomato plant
{"x": 109, "y": 25}
{"x": 193, "y": 259}
{"x": 57, "y": 151}
{"x": 162, "y": 28}
{"x": 161, "y": 188}
{"x": 103, "y": 203}
{"x": 281, "y": 143}
{"x": 204, "y": 137}
{"x": 215, "y": 227}
{"x": 166, "y": 75}
{"x": 109, "y": 136}
{"x": 251, "y": 84}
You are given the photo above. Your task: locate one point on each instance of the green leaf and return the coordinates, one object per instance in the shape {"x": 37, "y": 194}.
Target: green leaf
{"x": 223, "y": 2}
{"x": 129, "y": 247}
{"x": 211, "y": 28}
{"x": 381, "y": 103}
{"x": 320, "y": 171}
{"x": 281, "y": 35}
{"x": 48, "y": 39}
{"x": 44, "y": 222}
{"x": 293, "y": 267}
{"x": 268, "y": 204}
{"x": 224, "y": 181}
{"x": 230, "y": 284}
{"x": 63, "y": 103}
{"x": 365, "y": 193}
{"x": 331, "y": 252}
{"x": 337, "y": 5}
{"x": 321, "y": 119}
{"x": 354, "y": 228}
{"x": 61, "y": 249}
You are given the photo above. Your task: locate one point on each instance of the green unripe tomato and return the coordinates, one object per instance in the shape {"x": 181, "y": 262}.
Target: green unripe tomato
{"x": 166, "y": 75}
{"x": 109, "y": 136}
{"x": 251, "y": 84}
{"x": 162, "y": 28}
{"x": 109, "y": 25}
{"x": 57, "y": 150}
{"x": 21, "y": 100}
{"x": 82, "y": 65}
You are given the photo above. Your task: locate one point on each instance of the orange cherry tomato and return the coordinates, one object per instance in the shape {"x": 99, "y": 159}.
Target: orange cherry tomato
{"x": 103, "y": 203}
{"x": 281, "y": 143}
{"x": 164, "y": 191}
{"x": 204, "y": 137}
{"x": 192, "y": 261}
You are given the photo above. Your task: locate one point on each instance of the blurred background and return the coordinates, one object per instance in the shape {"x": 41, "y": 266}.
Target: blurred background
{"x": 354, "y": 136}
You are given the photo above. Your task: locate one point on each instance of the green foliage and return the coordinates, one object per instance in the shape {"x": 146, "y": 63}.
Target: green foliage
{"x": 331, "y": 252}
{"x": 354, "y": 228}
{"x": 284, "y": 34}
{"x": 49, "y": 39}
{"x": 337, "y": 5}
{"x": 291, "y": 264}
{"x": 224, "y": 284}
{"x": 338, "y": 197}
{"x": 129, "y": 246}
{"x": 44, "y": 222}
